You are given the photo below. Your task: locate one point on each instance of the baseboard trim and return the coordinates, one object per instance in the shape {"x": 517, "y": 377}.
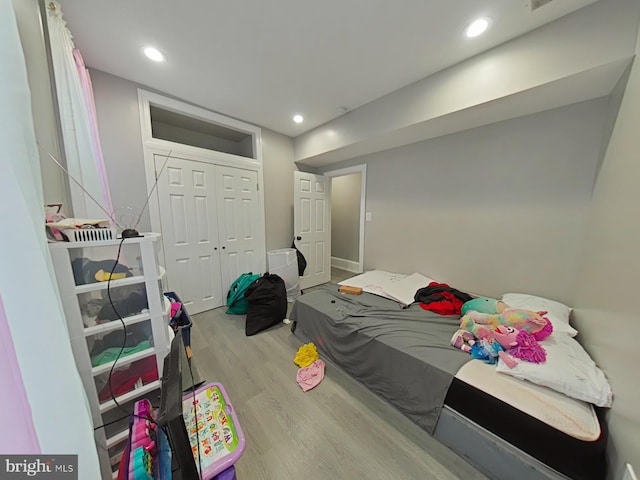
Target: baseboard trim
{"x": 348, "y": 265}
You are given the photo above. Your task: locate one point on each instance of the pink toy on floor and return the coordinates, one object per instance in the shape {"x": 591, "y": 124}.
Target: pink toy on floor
{"x": 309, "y": 377}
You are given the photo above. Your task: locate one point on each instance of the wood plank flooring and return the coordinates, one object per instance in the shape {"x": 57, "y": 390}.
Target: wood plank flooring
{"x": 339, "y": 430}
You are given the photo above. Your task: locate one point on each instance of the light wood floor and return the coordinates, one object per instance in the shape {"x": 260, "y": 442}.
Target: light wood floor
{"x": 338, "y": 275}
{"x": 339, "y": 430}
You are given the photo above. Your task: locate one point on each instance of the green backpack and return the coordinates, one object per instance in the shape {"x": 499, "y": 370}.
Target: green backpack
{"x": 236, "y": 302}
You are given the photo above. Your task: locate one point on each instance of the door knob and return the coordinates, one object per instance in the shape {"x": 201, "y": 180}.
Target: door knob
{"x": 224, "y": 248}
{"x": 298, "y": 238}
{"x": 215, "y": 248}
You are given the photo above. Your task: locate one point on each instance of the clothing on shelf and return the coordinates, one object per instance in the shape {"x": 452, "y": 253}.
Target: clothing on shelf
{"x": 136, "y": 334}
{"x": 124, "y": 380}
{"x": 132, "y": 304}
{"x": 110, "y": 354}
{"x": 85, "y": 270}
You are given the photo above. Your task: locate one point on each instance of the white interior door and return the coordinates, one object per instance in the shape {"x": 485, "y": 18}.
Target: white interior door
{"x": 187, "y": 200}
{"x": 240, "y": 222}
{"x": 311, "y": 227}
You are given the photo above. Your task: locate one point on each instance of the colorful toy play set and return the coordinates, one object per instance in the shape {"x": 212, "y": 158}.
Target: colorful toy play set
{"x": 216, "y": 447}
{"x": 219, "y": 441}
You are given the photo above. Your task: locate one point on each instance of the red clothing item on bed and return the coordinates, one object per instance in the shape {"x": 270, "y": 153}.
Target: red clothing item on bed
{"x": 441, "y": 299}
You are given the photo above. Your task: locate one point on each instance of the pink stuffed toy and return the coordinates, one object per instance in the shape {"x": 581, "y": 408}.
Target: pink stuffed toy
{"x": 520, "y": 344}
{"x": 517, "y": 343}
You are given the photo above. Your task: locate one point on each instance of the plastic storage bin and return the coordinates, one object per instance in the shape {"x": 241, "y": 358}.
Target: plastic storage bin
{"x": 284, "y": 263}
{"x": 90, "y": 234}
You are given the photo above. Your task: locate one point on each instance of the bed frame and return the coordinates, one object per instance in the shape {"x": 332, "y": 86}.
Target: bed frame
{"x": 487, "y": 452}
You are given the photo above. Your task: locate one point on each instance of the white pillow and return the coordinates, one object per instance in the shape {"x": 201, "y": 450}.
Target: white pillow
{"x": 569, "y": 369}
{"x": 558, "y": 313}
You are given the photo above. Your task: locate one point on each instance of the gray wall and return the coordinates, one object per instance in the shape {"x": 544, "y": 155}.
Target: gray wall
{"x": 606, "y": 313}
{"x": 494, "y": 209}
{"x": 277, "y": 157}
{"x": 119, "y": 126}
{"x": 121, "y": 137}
{"x": 345, "y": 216}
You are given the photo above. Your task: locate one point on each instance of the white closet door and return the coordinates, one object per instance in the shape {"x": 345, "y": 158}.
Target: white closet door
{"x": 311, "y": 226}
{"x": 187, "y": 200}
{"x": 240, "y": 223}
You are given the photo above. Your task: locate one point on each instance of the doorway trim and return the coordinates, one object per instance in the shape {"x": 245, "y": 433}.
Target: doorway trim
{"x": 362, "y": 169}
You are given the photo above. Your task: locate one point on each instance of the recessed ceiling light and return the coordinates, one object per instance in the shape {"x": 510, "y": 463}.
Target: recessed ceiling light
{"x": 477, "y": 27}
{"x": 154, "y": 54}
{"x": 298, "y": 118}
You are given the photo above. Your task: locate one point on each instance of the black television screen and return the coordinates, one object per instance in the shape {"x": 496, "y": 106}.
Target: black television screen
{"x": 170, "y": 415}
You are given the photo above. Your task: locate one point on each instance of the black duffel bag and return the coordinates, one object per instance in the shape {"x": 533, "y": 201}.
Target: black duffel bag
{"x": 267, "y": 298}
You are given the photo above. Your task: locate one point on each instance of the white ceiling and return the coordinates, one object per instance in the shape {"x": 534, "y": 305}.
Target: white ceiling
{"x": 263, "y": 61}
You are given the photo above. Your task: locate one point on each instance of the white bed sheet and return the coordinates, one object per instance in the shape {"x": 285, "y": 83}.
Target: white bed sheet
{"x": 573, "y": 417}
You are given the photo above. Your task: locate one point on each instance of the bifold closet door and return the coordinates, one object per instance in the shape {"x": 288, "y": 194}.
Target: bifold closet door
{"x": 240, "y": 224}
{"x": 188, "y": 215}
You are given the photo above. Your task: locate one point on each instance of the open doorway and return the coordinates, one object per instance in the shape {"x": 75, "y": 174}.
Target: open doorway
{"x": 313, "y": 211}
{"x": 347, "y": 187}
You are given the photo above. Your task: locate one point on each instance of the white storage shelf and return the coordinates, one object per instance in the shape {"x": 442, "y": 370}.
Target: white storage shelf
{"x": 115, "y": 325}
{"x": 138, "y": 392}
{"x": 94, "y": 287}
{"x": 80, "y": 303}
{"x": 117, "y": 438}
{"x": 123, "y": 361}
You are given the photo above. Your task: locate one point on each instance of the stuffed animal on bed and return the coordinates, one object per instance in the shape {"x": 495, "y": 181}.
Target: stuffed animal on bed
{"x": 519, "y": 344}
{"x": 488, "y": 350}
{"x": 503, "y": 342}
{"x": 484, "y": 305}
{"x": 516, "y": 330}
{"x": 481, "y": 325}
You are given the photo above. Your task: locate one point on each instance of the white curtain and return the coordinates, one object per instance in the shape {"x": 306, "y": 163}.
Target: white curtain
{"x": 78, "y": 121}
{"x": 35, "y": 342}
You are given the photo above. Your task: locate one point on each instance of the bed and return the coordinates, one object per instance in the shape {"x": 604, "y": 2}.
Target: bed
{"x": 506, "y": 427}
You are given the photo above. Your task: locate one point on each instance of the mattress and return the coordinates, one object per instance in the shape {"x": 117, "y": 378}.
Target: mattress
{"x": 398, "y": 358}
{"x": 563, "y": 433}
{"x": 575, "y": 418}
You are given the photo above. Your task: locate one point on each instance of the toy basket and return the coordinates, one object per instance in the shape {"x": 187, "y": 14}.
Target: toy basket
{"x": 90, "y": 234}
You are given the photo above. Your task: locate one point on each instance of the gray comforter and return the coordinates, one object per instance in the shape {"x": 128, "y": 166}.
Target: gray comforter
{"x": 403, "y": 355}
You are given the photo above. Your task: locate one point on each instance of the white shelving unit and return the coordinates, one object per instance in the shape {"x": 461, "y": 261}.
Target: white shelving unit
{"x": 85, "y": 299}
